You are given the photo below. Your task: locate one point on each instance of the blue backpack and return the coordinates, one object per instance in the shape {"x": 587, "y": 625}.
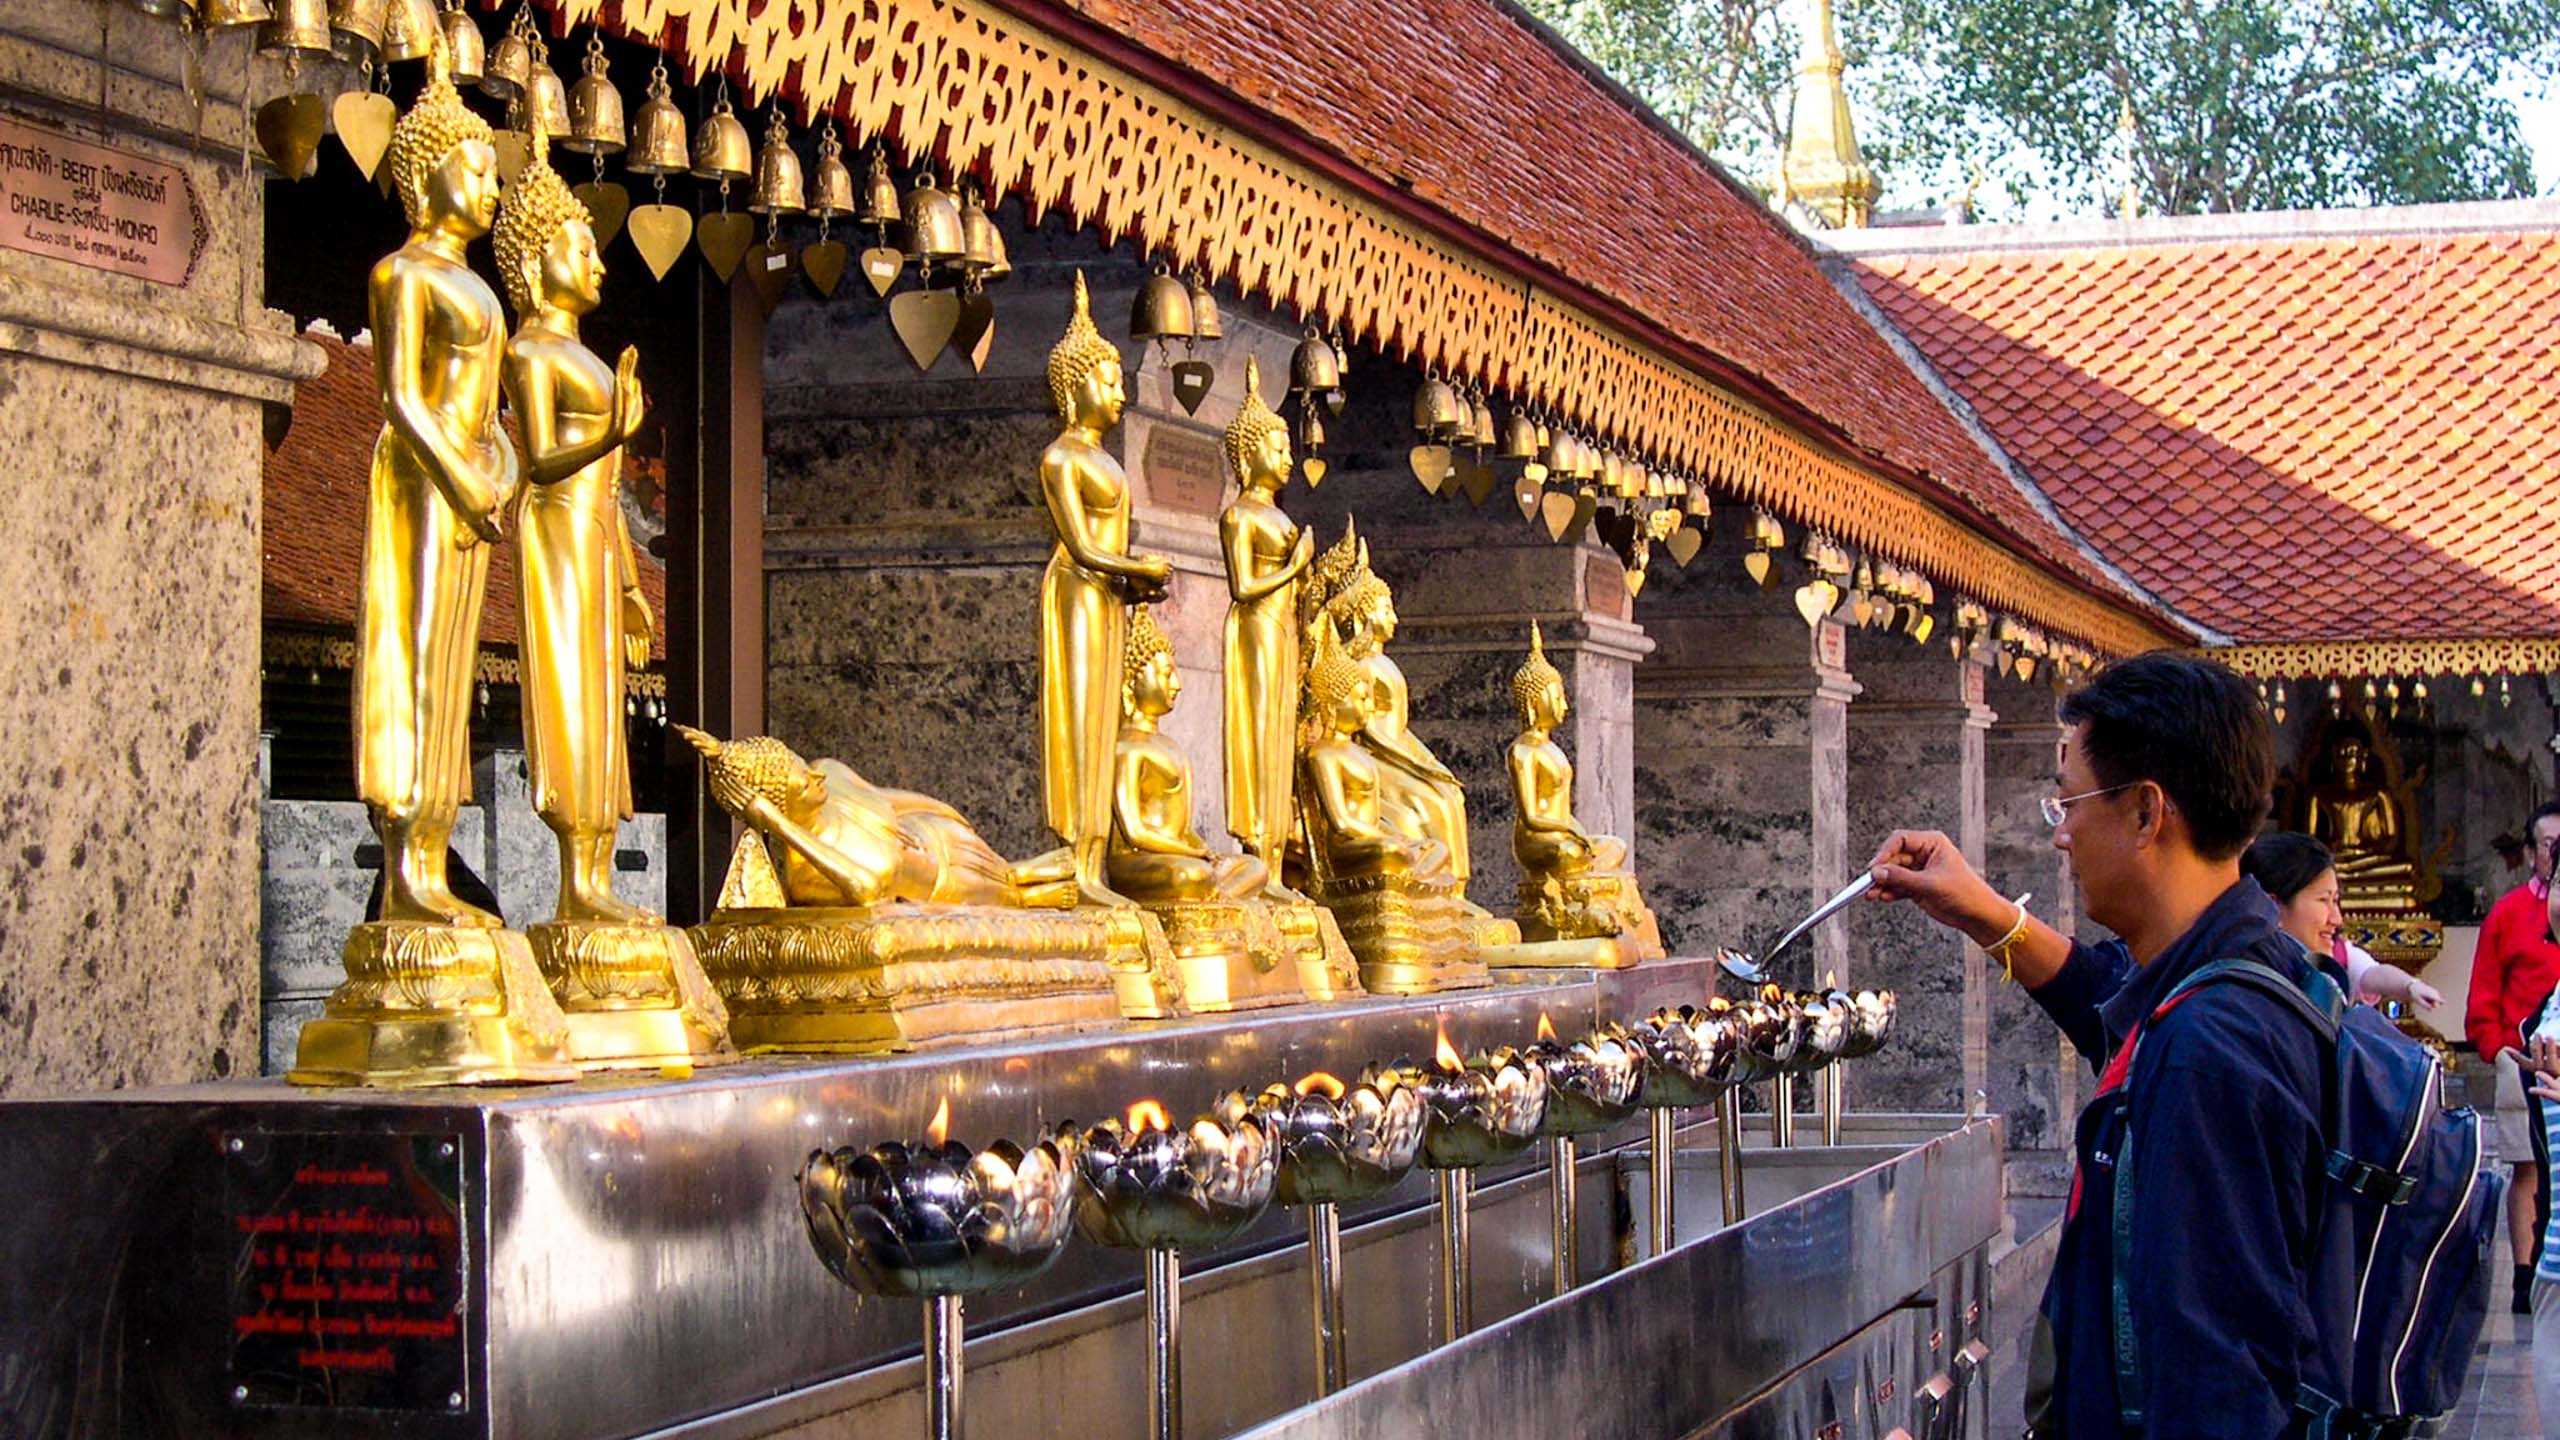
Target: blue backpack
{"x": 2402, "y": 1260}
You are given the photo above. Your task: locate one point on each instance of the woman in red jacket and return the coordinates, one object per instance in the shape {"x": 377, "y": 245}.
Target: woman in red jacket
{"x": 2516, "y": 965}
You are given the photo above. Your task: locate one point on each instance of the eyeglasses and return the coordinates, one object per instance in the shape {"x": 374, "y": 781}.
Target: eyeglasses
{"x": 2057, "y": 808}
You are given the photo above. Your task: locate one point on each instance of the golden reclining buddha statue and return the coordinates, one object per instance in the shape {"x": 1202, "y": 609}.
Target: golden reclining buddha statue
{"x": 1579, "y": 904}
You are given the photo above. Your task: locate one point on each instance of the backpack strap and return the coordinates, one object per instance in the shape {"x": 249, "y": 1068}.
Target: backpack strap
{"x": 2321, "y": 1005}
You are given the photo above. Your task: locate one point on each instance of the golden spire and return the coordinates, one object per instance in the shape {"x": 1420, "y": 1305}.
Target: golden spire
{"x": 1822, "y": 169}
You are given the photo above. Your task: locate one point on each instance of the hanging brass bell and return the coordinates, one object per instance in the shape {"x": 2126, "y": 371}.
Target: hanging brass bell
{"x": 1314, "y": 368}
{"x": 1162, "y": 310}
{"x": 355, "y": 28}
{"x": 1311, "y": 428}
{"x": 933, "y": 233}
{"x": 657, "y": 133}
{"x": 595, "y": 108}
{"x": 830, "y": 183}
{"x": 721, "y": 150}
{"x": 780, "y": 189}
{"x": 983, "y": 254}
{"x": 510, "y": 64}
{"x": 546, "y": 105}
{"x": 408, "y": 29}
{"x": 1205, "y": 324}
{"x": 1479, "y": 422}
{"x": 298, "y": 27}
{"x": 1435, "y": 409}
{"x": 232, "y": 14}
{"x": 466, "y": 51}
{"x": 880, "y": 202}
{"x": 1519, "y": 438}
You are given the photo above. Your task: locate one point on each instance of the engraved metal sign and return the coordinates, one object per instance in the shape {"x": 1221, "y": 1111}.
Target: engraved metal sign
{"x": 93, "y": 205}
{"x": 1185, "y": 471}
{"x": 349, "y": 1270}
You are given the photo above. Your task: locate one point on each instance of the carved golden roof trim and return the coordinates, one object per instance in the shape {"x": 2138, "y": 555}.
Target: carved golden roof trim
{"x": 992, "y": 93}
{"x": 2384, "y": 659}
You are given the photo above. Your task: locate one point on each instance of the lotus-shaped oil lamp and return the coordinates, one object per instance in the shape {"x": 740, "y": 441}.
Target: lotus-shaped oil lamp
{"x": 1336, "y": 1143}
{"x": 1480, "y": 1111}
{"x": 1773, "y": 1028}
{"x": 935, "y": 1222}
{"x": 1828, "y": 1015}
{"x": 1871, "y": 1015}
{"x": 1691, "y": 1056}
{"x": 1150, "y": 1187}
{"x": 1591, "y": 1085}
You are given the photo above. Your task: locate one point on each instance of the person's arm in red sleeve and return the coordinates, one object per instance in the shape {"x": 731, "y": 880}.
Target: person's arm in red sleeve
{"x": 2484, "y": 1019}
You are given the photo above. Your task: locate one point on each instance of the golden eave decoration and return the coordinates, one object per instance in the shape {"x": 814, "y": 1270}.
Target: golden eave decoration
{"x": 994, "y": 95}
{"x": 2384, "y": 659}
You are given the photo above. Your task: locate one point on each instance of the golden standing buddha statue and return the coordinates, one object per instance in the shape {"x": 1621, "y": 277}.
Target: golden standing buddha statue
{"x": 436, "y": 993}
{"x": 1578, "y": 901}
{"x": 1266, "y": 554}
{"x": 633, "y": 991}
{"x": 1085, "y": 596}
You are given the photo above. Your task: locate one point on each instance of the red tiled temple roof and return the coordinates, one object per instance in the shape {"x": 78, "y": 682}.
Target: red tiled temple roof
{"x": 314, "y": 509}
{"x": 2310, "y": 437}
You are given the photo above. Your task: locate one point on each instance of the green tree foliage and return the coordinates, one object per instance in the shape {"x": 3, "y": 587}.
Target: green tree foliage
{"x": 1720, "y": 71}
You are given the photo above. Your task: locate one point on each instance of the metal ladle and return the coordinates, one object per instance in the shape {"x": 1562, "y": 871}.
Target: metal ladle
{"x": 1743, "y": 968}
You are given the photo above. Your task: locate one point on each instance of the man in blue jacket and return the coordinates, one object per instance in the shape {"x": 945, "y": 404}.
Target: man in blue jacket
{"x": 2165, "y": 773}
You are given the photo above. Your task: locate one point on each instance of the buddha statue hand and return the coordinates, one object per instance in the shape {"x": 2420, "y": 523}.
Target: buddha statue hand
{"x": 639, "y": 627}
{"x": 630, "y": 407}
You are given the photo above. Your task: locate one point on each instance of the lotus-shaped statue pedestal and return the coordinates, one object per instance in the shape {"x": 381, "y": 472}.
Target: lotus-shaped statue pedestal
{"x": 1150, "y": 1187}
{"x": 935, "y": 1222}
{"x": 1482, "y": 1110}
{"x": 1690, "y": 1059}
{"x": 1337, "y": 1143}
{"x": 1591, "y": 1085}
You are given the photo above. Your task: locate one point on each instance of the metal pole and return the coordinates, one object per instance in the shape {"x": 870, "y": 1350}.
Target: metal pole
{"x": 1665, "y": 1222}
{"x": 1829, "y": 1098}
{"x": 1324, "y": 1251}
{"x": 1560, "y": 1198}
{"x": 1782, "y": 1111}
{"x": 1457, "y": 1187}
{"x": 943, "y": 1334}
{"x": 1164, "y": 1343}
{"x": 1729, "y": 1152}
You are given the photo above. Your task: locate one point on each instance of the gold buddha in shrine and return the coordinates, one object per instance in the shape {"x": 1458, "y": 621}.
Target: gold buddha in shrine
{"x": 436, "y": 992}
{"x": 2361, "y": 822}
{"x": 1574, "y": 886}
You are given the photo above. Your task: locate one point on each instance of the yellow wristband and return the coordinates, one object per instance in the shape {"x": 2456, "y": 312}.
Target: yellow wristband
{"x": 2000, "y": 949}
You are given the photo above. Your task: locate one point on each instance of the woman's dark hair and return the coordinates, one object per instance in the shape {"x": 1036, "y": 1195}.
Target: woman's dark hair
{"x": 2191, "y": 727}
{"x": 2286, "y": 862}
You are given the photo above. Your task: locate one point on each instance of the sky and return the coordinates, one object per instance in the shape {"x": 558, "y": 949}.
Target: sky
{"x": 2540, "y": 115}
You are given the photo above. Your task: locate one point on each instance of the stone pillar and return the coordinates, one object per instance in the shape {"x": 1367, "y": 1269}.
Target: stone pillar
{"x": 1916, "y": 763}
{"x": 2036, "y": 1077}
{"x": 1741, "y": 760}
{"x": 136, "y": 371}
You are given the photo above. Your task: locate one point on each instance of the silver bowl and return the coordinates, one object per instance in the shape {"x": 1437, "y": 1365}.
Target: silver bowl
{"x": 1147, "y": 1186}
{"x": 1690, "y": 1056}
{"x": 937, "y": 1219}
{"x": 1591, "y": 1083}
{"x": 1339, "y": 1143}
{"x": 1488, "y": 1111}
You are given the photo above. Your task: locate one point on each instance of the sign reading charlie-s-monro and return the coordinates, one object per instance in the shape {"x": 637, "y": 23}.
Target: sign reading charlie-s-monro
{"x": 93, "y": 205}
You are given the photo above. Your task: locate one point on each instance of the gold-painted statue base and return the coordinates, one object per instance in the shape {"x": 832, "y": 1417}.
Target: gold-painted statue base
{"x": 1410, "y": 936}
{"x": 1327, "y": 969}
{"x": 431, "y": 1005}
{"x": 1534, "y": 961}
{"x": 851, "y": 981}
{"x": 1562, "y": 914}
{"x": 1228, "y": 955}
{"x": 635, "y": 995}
{"x": 2409, "y": 939}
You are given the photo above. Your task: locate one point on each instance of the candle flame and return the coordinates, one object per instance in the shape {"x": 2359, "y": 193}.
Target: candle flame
{"x": 1546, "y": 1028}
{"x": 1830, "y": 979}
{"x": 940, "y": 1130}
{"x": 1446, "y": 1053}
{"x": 1316, "y": 1080}
{"x": 1148, "y": 1115}
{"x": 1771, "y": 993}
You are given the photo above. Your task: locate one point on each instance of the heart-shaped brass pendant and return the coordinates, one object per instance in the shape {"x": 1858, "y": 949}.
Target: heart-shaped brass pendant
{"x": 823, "y": 262}
{"x": 1762, "y": 567}
{"x": 1430, "y": 465}
{"x": 723, "y": 237}
{"x": 289, "y": 129}
{"x": 1525, "y": 495}
{"x": 880, "y": 266}
{"x": 1191, "y": 382}
{"x": 1557, "y": 510}
{"x": 1477, "y": 477}
{"x": 513, "y": 150}
{"x": 1684, "y": 544}
{"x": 659, "y": 233}
{"x": 1313, "y": 467}
{"x": 1926, "y": 625}
{"x": 364, "y": 120}
{"x": 768, "y": 265}
{"x": 925, "y": 321}
{"x": 608, "y": 205}
{"x": 1814, "y": 599}
{"x": 973, "y": 335}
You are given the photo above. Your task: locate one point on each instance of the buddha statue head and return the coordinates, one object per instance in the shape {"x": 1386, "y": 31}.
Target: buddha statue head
{"x": 1365, "y": 609}
{"x": 546, "y": 241}
{"x": 1337, "y": 688}
{"x": 1257, "y": 439}
{"x": 1537, "y": 688}
{"x": 1150, "y": 681}
{"x": 1085, "y": 383}
{"x": 2347, "y": 761}
{"x": 444, "y": 165}
{"x": 760, "y": 767}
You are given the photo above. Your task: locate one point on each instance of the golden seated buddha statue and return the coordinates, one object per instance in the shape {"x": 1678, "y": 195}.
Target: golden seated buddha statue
{"x": 1231, "y": 948}
{"x": 2361, "y": 823}
{"x": 1393, "y": 893}
{"x": 1578, "y": 900}
{"x": 859, "y": 918}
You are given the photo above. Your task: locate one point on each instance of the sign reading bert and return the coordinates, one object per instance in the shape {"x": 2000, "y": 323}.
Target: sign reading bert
{"x": 94, "y": 206}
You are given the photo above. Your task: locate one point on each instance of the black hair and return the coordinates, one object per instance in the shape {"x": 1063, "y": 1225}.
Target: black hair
{"x": 2193, "y": 728}
{"x": 2547, "y": 810}
{"x": 2286, "y": 862}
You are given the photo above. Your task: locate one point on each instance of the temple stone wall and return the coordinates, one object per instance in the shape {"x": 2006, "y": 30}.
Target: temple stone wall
{"x": 2036, "y": 1078}
{"x": 129, "y": 826}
